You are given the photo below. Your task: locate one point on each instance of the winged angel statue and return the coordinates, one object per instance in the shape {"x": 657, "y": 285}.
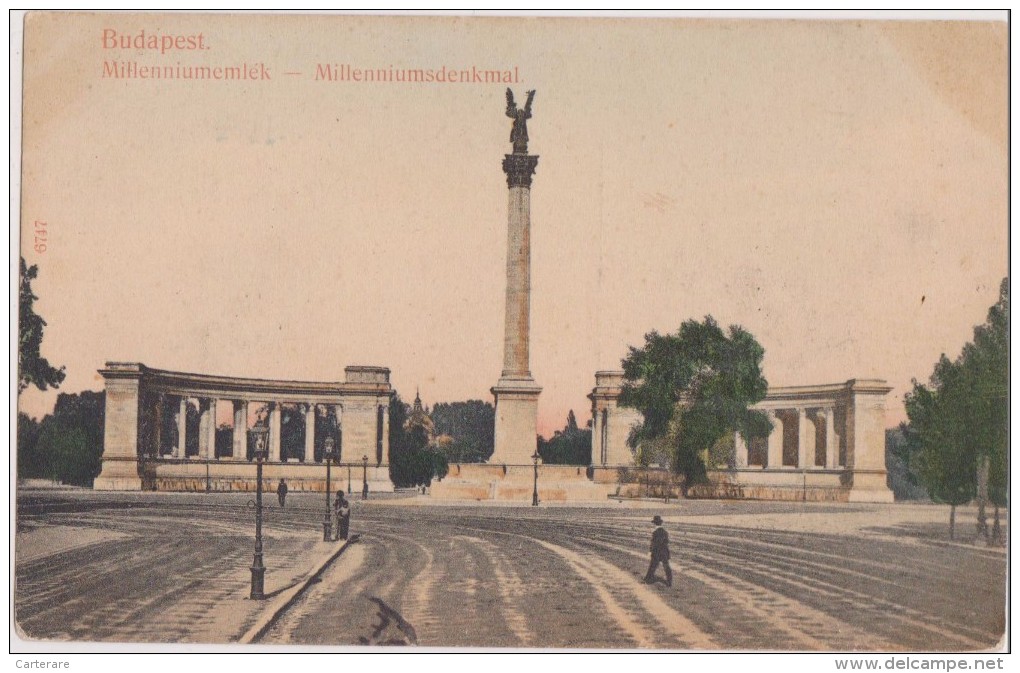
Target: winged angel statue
{"x": 519, "y": 133}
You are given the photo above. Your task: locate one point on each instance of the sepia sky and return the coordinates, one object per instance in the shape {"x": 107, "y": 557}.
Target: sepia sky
{"x": 837, "y": 188}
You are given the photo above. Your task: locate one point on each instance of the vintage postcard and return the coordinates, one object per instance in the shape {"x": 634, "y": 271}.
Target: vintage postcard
{"x": 597, "y": 333}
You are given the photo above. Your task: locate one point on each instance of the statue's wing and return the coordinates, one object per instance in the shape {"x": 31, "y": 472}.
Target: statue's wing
{"x": 511, "y": 106}
{"x": 527, "y": 105}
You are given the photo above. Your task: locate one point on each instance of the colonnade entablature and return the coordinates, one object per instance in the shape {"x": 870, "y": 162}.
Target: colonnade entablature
{"x": 156, "y": 415}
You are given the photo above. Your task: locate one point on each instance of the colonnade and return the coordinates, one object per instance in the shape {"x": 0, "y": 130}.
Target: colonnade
{"x": 162, "y": 417}
{"x": 829, "y": 436}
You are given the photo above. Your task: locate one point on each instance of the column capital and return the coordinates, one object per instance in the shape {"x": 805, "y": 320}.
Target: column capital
{"x": 519, "y": 168}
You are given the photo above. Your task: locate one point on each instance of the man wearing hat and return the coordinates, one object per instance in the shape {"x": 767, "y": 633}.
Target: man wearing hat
{"x": 660, "y": 553}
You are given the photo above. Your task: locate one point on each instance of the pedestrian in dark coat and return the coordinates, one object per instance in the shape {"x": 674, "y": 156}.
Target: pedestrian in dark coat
{"x": 343, "y": 516}
{"x": 281, "y": 492}
{"x": 660, "y": 553}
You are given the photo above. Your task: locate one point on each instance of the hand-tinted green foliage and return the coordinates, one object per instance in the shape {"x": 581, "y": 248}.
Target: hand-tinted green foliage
{"x": 69, "y": 445}
{"x": 962, "y": 413}
{"x": 413, "y": 461}
{"x": 900, "y": 463}
{"x": 569, "y": 446}
{"x": 33, "y": 369}
{"x": 469, "y": 426}
{"x": 30, "y": 462}
{"x": 695, "y": 386}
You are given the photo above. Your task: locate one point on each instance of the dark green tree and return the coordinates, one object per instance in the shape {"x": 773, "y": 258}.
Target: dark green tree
{"x": 33, "y": 368}
{"x": 70, "y": 441}
{"x": 30, "y": 462}
{"x": 904, "y": 479}
{"x": 946, "y": 455}
{"x": 959, "y": 422}
{"x": 693, "y": 387}
{"x": 469, "y": 426}
{"x": 569, "y": 446}
{"x": 413, "y": 459}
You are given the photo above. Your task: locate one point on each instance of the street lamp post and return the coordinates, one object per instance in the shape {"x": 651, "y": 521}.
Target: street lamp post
{"x": 534, "y": 494}
{"x": 258, "y": 569}
{"x": 327, "y": 519}
{"x": 364, "y": 477}
{"x": 349, "y": 481}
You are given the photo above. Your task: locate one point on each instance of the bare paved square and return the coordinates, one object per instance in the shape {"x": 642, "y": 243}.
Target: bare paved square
{"x": 779, "y": 576}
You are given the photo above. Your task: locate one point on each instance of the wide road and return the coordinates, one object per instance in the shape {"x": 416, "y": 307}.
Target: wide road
{"x": 778, "y": 576}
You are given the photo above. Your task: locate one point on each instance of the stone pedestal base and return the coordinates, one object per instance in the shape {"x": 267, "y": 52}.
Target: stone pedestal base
{"x": 516, "y": 432}
{"x": 516, "y": 483}
{"x": 226, "y": 475}
{"x": 869, "y": 486}
{"x": 118, "y": 475}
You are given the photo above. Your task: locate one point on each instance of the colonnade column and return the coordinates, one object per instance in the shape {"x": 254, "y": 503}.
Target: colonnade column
{"x": 338, "y": 412}
{"x": 158, "y": 420}
{"x": 775, "y": 441}
{"x": 309, "y": 410}
{"x": 240, "y": 430}
{"x": 207, "y": 428}
{"x": 740, "y": 450}
{"x": 803, "y": 454}
{"x": 386, "y": 433}
{"x": 181, "y": 450}
{"x": 274, "y": 432}
{"x": 831, "y": 441}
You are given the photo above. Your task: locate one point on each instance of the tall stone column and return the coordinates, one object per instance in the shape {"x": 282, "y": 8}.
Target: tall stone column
{"x": 181, "y": 449}
{"x": 516, "y": 392}
{"x": 775, "y": 441}
{"x": 274, "y": 432}
{"x": 240, "y": 430}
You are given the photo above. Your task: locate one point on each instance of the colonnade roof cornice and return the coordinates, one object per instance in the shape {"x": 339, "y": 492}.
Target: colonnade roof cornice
{"x": 230, "y": 387}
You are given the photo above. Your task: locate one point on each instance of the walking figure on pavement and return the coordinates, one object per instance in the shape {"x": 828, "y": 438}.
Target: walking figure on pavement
{"x": 342, "y": 507}
{"x": 660, "y": 553}
{"x": 281, "y": 492}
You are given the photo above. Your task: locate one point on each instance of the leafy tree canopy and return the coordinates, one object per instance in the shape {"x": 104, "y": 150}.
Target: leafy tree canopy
{"x": 962, "y": 414}
{"x": 467, "y": 430}
{"x": 33, "y": 368}
{"x": 68, "y": 444}
{"x": 569, "y": 446}
{"x": 693, "y": 387}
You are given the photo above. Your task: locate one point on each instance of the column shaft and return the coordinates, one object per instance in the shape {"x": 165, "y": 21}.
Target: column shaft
{"x": 386, "y": 433}
{"x": 338, "y": 411}
{"x": 181, "y": 450}
{"x": 274, "y": 432}
{"x": 309, "y": 432}
{"x": 831, "y": 441}
{"x": 158, "y": 421}
{"x": 240, "y": 430}
{"x": 210, "y": 442}
{"x": 775, "y": 441}
{"x": 518, "y": 285}
{"x": 739, "y": 450}
{"x": 804, "y": 457}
